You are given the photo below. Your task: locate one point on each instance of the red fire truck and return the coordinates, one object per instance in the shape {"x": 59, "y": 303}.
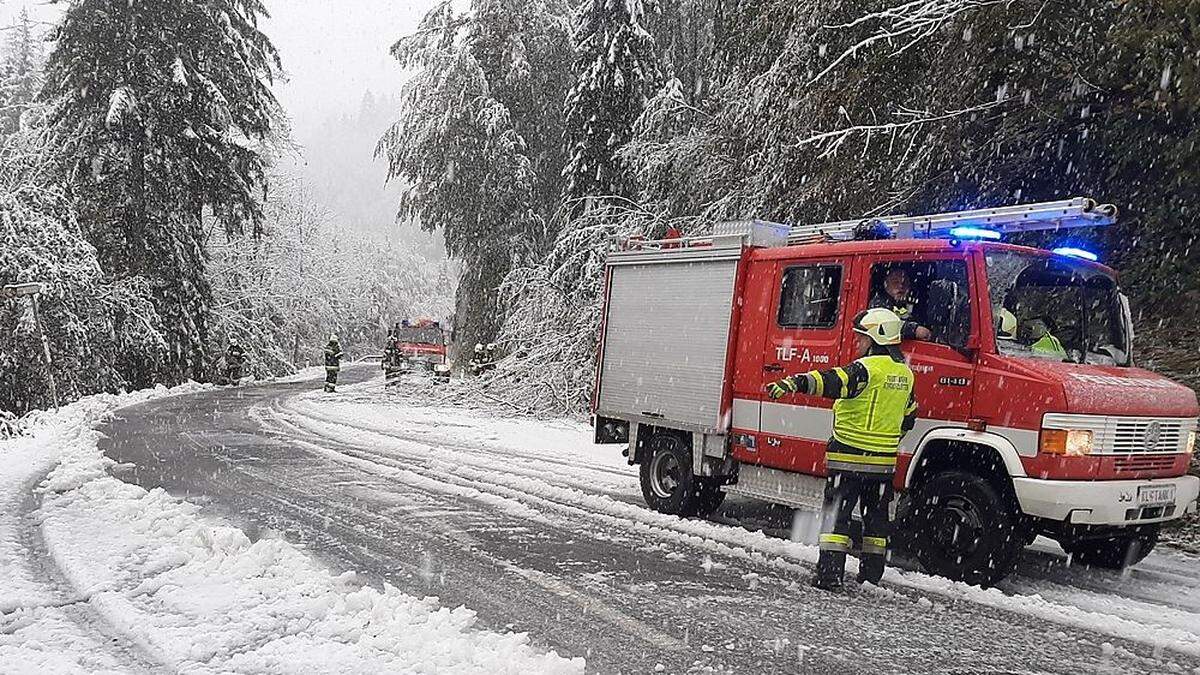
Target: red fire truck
{"x": 420, "y": 345}
{"x": 1079, "y": 445}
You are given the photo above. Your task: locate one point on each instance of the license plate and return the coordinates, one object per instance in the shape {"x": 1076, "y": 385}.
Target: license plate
{"x": 1154, "y": 495}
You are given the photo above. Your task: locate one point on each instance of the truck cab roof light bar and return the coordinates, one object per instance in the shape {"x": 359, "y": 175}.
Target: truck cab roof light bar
{"x": 1065, "y": 214}
{"x": 968, "y": 232}
{"x": 1076, "y": 253}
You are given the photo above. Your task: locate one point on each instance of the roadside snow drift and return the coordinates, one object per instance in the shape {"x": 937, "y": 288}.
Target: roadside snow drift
{"x": 193, "y": 596}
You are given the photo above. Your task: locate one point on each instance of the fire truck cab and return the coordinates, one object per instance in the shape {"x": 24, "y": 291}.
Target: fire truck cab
{"x": 418, "y": 345}
{"x": 1014, "y": 439}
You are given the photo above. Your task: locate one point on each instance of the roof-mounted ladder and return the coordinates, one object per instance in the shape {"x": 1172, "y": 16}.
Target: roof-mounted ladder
{"x": 1065, "y": 214}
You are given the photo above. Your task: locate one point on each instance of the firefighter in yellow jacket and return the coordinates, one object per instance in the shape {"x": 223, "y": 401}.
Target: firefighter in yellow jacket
{"x": 874, "y": 407}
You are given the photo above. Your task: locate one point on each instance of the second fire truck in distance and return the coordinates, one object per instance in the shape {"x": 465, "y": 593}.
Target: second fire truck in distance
{"x": 418, "y": 346}
{"x": 1033, "y": 417}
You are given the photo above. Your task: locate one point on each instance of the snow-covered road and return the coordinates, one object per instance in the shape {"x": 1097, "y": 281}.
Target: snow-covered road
{"x": 100, "y": 575}
{"x": 537, "y": 530}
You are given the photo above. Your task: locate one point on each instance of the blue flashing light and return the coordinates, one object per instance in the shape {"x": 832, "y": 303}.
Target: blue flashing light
{"x": 1076, "y": 253}
{"x": 974, "y": 233}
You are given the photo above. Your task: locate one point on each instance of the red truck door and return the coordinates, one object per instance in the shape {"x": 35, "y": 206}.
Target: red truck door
{"x": 940, "y": 288}
{"x": 804, "y": 332}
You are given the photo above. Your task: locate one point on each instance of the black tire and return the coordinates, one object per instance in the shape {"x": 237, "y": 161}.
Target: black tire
{"x": 1115, "y": 551}
{"x": 709, "y": 496}
{"x": 964, "y": 529}
{"x": 668, "y": 485}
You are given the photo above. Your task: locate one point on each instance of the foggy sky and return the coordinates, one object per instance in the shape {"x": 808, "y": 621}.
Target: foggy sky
{"x": 333, "y": 50}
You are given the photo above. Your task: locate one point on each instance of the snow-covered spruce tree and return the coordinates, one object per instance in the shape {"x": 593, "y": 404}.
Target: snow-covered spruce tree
{"x": 687, "y": 33}
{"x": 524, "y": 49}
{"x": 160, "y": 111}
{"x": 20, "y": 74}
{"x": 40, "y": 241}
{"x": 460, "y": 150}
{"x": 617, "y": 69}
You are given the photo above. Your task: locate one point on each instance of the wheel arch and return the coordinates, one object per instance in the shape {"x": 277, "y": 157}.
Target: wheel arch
{"x": 640, "y": 434}
{"x": 989, "y": 455}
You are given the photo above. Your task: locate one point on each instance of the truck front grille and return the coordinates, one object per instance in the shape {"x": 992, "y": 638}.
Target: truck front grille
{"x": 1128, "y": 435}
{"x": 1143, "y": 462}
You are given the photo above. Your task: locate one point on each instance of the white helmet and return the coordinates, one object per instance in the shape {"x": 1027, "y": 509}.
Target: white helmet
{"x": 879, "y": 324}
{"x": 478, "y": 347}
{"x": 1007, "y": 325}
{"x": 333, "y": 338}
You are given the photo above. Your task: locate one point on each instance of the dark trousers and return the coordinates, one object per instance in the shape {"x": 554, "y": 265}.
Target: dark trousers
{"x": 331, "y": 373}
{"x": 843, "y": 491}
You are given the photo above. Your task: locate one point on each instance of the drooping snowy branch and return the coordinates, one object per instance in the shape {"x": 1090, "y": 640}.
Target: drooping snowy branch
{"x": 906, "y": 24}
{"x": 908, "y": 122}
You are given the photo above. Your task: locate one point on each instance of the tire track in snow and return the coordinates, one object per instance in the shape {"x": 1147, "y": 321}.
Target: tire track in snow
{"x": 476, "y": 471}
{"x": 529, "y": 457}
{"x": 349, "y": 520}
{"x": 75, "y": 604}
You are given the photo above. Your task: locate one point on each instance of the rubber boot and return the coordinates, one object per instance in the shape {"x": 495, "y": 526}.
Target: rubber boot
{"x": 831, "y": 569}
{"x": 870, "y": 569}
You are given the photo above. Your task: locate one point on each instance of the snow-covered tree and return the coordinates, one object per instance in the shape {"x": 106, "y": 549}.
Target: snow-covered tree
{"x": 474, "y": 144}
{"x": 161, "y": 112}
{"x": 617, "y": 70}
{"x": 39, "y": 241}
{"x": 20, "y": 74}
{"x": 281, "y": 296}
{"x": 687, "y": 33}
{"x": 553, "y": 311}
{"x": 524, "y": 49}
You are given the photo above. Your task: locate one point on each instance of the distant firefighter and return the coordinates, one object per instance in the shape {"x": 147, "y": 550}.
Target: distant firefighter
{"x": 484, "y": 359}
{"x": 235, "y": 362}
{"x": 333, "y": 363}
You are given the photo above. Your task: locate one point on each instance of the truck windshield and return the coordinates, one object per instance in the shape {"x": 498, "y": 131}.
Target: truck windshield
{"x": 421, "y": 335}
{"x": 1058, "y": 309}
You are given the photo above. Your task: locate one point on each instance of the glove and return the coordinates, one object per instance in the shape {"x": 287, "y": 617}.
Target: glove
{"x": 780, "y": 388}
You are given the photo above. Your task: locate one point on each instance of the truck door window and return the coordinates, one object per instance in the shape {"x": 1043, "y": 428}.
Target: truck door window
{"x": 809, "y": 296}
{"x": 933, "y": 294}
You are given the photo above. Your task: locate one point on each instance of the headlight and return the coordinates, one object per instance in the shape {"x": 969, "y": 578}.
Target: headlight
{"x": 1191, "y": 442}
{"x": 1069, "y": 442}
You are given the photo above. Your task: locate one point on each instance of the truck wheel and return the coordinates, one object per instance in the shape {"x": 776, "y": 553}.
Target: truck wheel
{"x": 709, "y": 495}
{"x": 1116, "y": 551}
{"x": 965, "y": 530}
{"x": 668, "y": 484}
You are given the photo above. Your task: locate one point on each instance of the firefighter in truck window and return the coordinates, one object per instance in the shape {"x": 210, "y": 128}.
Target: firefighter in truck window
{"x": 1062, "y": 310}
{"x": 895, "y": 293}
{"x": 874, "y": 407}
{"x": 931, "y": 298}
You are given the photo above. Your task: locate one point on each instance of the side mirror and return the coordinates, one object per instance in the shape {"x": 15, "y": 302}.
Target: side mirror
{"x": 969, "y": 349}
{"x": 1127, "y": 317}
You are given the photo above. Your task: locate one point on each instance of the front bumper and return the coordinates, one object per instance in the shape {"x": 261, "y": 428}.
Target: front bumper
{"x": 1111, "y": 502}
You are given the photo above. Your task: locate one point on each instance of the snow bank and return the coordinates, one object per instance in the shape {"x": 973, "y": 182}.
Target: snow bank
{"x": 194, "y": 596}
{"x": 39, "y": 628}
